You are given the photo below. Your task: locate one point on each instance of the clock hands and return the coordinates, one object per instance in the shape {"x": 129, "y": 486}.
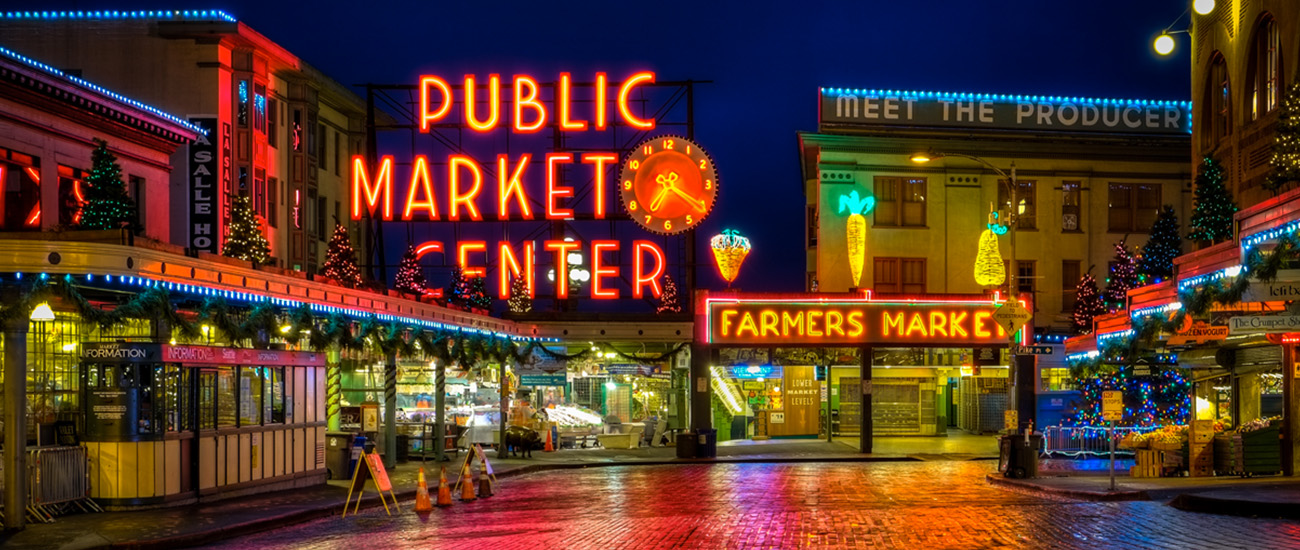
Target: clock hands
{"x": 669, "y": 182}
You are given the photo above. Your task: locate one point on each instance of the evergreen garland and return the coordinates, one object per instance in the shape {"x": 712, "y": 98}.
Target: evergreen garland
{"x": 1123, "y": 277}
{"x": 107, "y": 204}
{"x": 1087, "y": 304}
{"x": 1211, "y": 219}
{"x": 1165, "y": 244}
{"x": 1285, "y": 161}
{"x": 341, "y": 259}
{"x": 246, "y": 239}
{"x": 410, "y": 277}
{"x": 520, "y": 301}
{"x": 669, "y": 300}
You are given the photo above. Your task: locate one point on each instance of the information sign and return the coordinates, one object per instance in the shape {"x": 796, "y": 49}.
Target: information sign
{"x": 1112, "y": 406}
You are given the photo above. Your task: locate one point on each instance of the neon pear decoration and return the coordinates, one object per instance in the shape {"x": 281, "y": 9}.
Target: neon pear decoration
{"x": 989, "y": 270}
{"x": 857, "y": 229}
{"x": 729, "y": 252}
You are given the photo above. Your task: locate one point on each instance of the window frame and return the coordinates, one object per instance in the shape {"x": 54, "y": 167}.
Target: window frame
{"x": 1070, "y": 285}
{"x": 1027, "y": 190}
{"x": 894, "y": 268}
{"x": 1072, "y": 191}
{"x": 1133, "y": 208}
{"x": 893, "y": 194}
{"x": 1265, "y": 68}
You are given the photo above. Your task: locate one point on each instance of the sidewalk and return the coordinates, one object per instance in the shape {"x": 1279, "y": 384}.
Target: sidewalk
{"x": 1273, "y": 496}
{"x": 207, "y": 522}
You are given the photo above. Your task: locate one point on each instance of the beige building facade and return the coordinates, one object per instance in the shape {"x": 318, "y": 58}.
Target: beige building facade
{"x": 1090, "y": 173}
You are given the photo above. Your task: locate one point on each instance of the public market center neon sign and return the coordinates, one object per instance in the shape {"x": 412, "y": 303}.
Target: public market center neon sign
{"x": 463, "y": 185}
{"x": 853, "y": 321}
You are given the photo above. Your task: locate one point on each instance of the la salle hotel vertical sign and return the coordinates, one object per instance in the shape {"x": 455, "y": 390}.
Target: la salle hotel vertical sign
{"x": 204, "y": 177}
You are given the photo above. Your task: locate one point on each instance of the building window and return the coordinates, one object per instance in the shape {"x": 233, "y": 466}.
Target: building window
{"x": 273, "y": 202}
{"x": 312, "y": 213}
{"x": 811, "y": 217}
{"x": 259, "y": 192}
{"x": 322, "y": 152}
{"x": 259, "y": 108}
{"x": 1133, "y": 207}
{"x": 1025, "y": 195}
{"x": 21, "y": 183}
{"x": 296, "y": 130}
{"x": 1069, "y": 283}
{"x": 273, "y": 128}
{"x": 1056, "y": 379}
{"x": 320, "y": 219}
{"x": 1218, "y": 104}
{"x": 243, "y": 103}
{"x": 273, "y": 380}
{"x": 1024, "y": 276}
{"x": 338, "y": 152}
{"x": 1266, "y": 68}
{"x": 72, "y": 194}
{"x": 1070, "y": 207}
{"x": 251, "y": 398}
{"x": 899, "y": 275}
{"x": 900, "y": 202}
{"x": 139, "y": 193}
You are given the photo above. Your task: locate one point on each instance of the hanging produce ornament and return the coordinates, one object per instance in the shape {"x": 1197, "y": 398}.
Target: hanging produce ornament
{"x": 729, "y": 252}
{"x": 856, "y": 230}
{"x": 989, "y": 270}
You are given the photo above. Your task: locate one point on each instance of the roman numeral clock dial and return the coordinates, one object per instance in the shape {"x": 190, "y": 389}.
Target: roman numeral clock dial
{"x": 668, "y": 185}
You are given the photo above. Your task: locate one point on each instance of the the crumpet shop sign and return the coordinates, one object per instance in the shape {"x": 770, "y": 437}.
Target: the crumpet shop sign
{"x": 1261, "y": 324}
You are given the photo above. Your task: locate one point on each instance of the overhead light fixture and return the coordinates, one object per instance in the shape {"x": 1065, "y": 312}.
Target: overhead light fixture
{"x": 1164, "y": 44}
{"x": 1203, "y": 7}
{"x": 42, "y": 312}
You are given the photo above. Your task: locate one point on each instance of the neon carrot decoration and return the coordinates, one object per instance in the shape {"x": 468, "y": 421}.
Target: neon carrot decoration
{"x": 856, "y": 230}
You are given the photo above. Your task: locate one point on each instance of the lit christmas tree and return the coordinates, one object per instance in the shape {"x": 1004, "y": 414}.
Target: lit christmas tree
{"x": 341, "y": 259}
{"x": 107, "y": 204}
{"x": 1164, "y": 245}
{"x": 1087, "y": 303}
{"x": 1123, "y": 277}
{"x": 1285, "y": 161}
{"x": 669, "y": 300}
{"x": 1212, "y": 219}
{"x": 410, "y": 277}
{"x": 478, "y": 295}
{"x": 457, "y": 289}
{"x": 520, "y": 301}
{"x": 246, "y": 239}
{"x": 1162, "y": 399}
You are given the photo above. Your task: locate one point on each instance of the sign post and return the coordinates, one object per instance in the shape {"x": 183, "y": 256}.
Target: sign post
{"x": 1112, "y": 409}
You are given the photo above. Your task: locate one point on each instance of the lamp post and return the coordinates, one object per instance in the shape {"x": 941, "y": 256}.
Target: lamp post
{"x": 1013, "y": 219}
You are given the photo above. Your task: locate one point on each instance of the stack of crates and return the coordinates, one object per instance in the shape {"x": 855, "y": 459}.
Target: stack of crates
{"x": 1201, "y": 449}
{"x": 1261, "y": 451}
{"x": 1149, "y": 464}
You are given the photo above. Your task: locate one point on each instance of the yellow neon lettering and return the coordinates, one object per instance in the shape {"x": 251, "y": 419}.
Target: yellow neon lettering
{"x": 955, "y": 321}
{"x": 855, "y": 324}
{"x": 937, "y": 321}
{"x": 788, "y": 322}
{"x": 768, "y": 321}
{"x": 834, "y": 322}
{"x": 812, "y": 327}
{"x": 895, "y": 322}
{"x": 917, "y": 324}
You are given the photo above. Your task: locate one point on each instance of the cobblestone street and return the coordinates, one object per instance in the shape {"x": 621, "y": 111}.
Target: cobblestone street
{"x": 944, "y": 504}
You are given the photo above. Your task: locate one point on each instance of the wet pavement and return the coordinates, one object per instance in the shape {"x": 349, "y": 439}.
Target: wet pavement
{"x": 938, "y": 504}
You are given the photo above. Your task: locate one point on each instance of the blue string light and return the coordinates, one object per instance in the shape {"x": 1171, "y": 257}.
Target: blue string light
{"x": 97, "y": 88}
{"x": 965, "y": 96}
{"x": 208, "y": 15}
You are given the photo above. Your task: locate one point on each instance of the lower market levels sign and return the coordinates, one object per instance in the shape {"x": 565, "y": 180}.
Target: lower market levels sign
{"x": 814, "y": 319}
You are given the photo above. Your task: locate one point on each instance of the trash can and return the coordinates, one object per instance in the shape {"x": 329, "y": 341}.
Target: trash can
{"x": 1018, "y": 456}
{"x": 359, "y": 445}
{"x": 707, "y": 442}
{"x": 338, "y": 454}
{"x": 686, "y": 446}
{"x": 403, "y": 447}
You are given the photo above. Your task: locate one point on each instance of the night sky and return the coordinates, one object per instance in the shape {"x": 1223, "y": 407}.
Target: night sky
{"x": 766, "y": 61}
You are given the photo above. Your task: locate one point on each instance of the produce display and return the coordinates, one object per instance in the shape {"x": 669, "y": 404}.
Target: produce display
{"x": 1252, "y": 448}
{"x": 569, "y": 416}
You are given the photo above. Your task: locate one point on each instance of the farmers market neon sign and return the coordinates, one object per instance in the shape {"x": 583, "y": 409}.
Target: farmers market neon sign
{"x": 853, "y": 321}
{"x": 463, "y": 188}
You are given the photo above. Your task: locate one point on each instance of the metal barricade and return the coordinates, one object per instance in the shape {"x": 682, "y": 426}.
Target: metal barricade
{"x": 58, "y": 480}
{"x": 1085, "y": 441}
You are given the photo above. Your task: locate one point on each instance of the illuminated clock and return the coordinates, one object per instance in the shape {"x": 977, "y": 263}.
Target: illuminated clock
{"x": 668, "y": 184}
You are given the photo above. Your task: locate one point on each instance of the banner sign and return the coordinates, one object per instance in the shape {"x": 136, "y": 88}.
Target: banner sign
{"x": 114, "y": 352}
{"x": 630, "y": 368}
{"x": 753, "y": 372}
{"x": 1288, "y": 288}
{"x": 1198, "y": 332}
{"x": 203, "y": 183}
{"x": 1003, "y": 112}
{"x": 852, "y": 321}
{"x": 543, "y": 379}
{"x": 1262, "y": 324}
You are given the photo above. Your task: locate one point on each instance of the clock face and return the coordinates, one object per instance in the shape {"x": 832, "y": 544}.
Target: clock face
{"x": 668, "y": 185}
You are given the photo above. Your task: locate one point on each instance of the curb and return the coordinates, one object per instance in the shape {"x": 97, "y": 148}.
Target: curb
{"x": 269, "y": 522}
{"x": 1192, "y": 502}
{"x": 1096, "y": 496}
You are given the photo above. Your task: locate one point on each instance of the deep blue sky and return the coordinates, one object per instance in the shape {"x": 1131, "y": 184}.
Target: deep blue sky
{"x": 766, "y": 60}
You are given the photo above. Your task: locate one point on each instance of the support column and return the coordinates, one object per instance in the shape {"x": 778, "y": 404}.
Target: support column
{"x": 15, "y": 420}
{"x": 440, "y": 410}
{"x": 505, "y": 407}
{"x": 1026, "y": 388}
{"x": 866, "y": 354}
{"x": 390, "y": 410}
{"x": 701, "y": 388}
{"x": 1290, "y": 428}
{"x": 333, "y": 389}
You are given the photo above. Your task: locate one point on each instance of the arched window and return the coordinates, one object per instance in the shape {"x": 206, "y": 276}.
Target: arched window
{"x": 1217, "y": 110}
{"x": 1265, "y": 69}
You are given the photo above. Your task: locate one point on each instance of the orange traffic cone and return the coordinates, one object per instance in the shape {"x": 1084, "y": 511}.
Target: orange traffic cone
{"x": 484, "y": 485}
{"x": 549, "y": 447}
{"x": 444, "y": 492}
{"x": 466, "y": 484}
{"x": 422, "y": 503}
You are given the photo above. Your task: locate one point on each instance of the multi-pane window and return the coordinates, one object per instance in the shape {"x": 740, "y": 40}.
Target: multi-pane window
{"x": 899, "y": 275}
{"x": 900, "y": 202}
{"x": 338, "y": 152}
{"x": 1133, "y": 207}
{"x": 72, "y": 194}
{"x": 273, "y": 202}
{"x": 1218, "y": 103}
{"x": 1070, "y": 215}
{"x": 1069, "y": 283}
{"x": 273, "y": 128}
{"x": 1266, "y": 66}
{"x": 242, "y": 102}
{"x": 1026, "y": 198}
{"x": 810, "y": 217}
{"x": 320, "y": 219}
{"x": 139, "y": 193}
{"x": 20, "y": 181}
{"x": 259, "y": 108}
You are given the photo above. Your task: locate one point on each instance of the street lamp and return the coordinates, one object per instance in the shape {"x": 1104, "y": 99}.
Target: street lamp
{"x": 1013, "y": 219}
